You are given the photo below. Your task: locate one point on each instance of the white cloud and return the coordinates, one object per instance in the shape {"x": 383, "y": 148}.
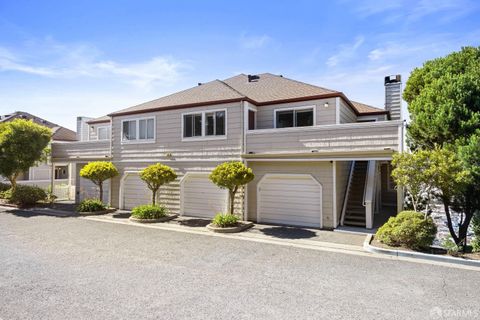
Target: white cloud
{"x": 57, "y": 60}
{"x": 345, "y": 52}
{"x": 254, "y": 42}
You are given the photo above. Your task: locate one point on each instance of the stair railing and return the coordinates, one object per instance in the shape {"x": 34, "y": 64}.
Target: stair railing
{"x": 369, "y": 193}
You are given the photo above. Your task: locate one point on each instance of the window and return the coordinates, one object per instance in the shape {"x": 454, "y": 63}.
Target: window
{"x": 251, "y": 119}
{"x": 301, "y": 117}
{"x": 103, "y": 133}
{"x": 204, "y": 124}
{"x": 138, "y": 129}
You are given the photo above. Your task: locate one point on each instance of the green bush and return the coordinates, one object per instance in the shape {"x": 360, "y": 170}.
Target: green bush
{"x": 225, "y": 220}
{"x": 476, "y": 233}
{"x": 4, "y": 187}
{"x": 410, "y": 229}
{"x": 24, "y": 195}
{"x": 91, "y": 205}
{"x": 149, "y": 211}
{"x": 451, "y": 247}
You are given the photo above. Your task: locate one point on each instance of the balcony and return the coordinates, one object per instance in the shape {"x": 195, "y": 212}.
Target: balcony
{"x": 373, "y": 138}
{"x": 80, "y": 150}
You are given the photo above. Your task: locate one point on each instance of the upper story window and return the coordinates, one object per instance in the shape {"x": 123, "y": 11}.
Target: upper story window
{"x": 295, "y": 117}
{"x": 103, "y": 133}
{"x": 138, "y": 129}
{"x": 206, "y": 124}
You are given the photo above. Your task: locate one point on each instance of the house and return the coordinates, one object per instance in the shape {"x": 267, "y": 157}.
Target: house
{"x": 42, "y": 175}
{"x": 320, "y": 160}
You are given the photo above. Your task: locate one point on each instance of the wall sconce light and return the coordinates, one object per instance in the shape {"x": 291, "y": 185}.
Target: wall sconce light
{"x": 92, "y": 128}
{"x": 325, "y": 104}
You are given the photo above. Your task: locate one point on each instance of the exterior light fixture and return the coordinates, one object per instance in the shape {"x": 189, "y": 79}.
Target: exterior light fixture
{"x": 325, "y": 104}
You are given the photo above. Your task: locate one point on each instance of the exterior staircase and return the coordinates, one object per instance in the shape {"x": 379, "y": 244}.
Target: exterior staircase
{"x": 355, "y": 210}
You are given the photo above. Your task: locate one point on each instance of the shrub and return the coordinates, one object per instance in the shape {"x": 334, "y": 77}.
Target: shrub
{"x": 225, "y": 220}
{"x": 149, "y": 211}
{"x": 155, "y": 176}
{"x": 91, "y": 205}
{"x": 24, "y": 195}
{"x": 410, "y": 229}
{"x": 451, "y": 247}
{"x": 4, "y": 187}
{"x": 476, "y": 232}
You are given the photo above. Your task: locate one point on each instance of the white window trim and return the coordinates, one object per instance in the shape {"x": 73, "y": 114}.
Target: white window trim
{"x": 204, "y": 137}
{"x": 313, "y": 107}
{"x": 137, "y": 128}
{"x": 108, "y": 133}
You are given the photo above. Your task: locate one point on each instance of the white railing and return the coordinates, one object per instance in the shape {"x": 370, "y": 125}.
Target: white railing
{"x": 369, "y": 193}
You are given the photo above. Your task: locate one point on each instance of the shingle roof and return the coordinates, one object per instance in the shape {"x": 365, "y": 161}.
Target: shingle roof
{"x": 58, "y": 132}
{"x": 365, "y": 108}
{"x": 266, "y": 89}
{"x": 101, "y": 119}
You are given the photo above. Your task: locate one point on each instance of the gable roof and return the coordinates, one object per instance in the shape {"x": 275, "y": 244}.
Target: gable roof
{"x": 59, "y": 133}
{"x": 102, "y": 119}
{"x": 265, "y": 89}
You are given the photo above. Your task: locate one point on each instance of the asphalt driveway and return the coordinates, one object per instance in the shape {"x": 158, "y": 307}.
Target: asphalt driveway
{"x": 73, "y": 268}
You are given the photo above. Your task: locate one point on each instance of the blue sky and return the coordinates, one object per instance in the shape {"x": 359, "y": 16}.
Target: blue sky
{"x": 61, "y": 59}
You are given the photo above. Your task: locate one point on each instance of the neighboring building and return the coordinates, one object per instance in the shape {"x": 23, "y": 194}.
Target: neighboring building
{"x": 320, "y": 160}
{"x": 41, "y": 175}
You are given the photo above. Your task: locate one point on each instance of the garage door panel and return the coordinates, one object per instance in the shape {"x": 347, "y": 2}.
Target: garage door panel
{"x": 135, "y": 192}
{"x": 290, "y": 199}
{"x": 201, "y": 198}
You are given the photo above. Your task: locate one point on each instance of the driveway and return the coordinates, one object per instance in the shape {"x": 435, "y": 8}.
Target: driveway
{"x": 74, "y": 268}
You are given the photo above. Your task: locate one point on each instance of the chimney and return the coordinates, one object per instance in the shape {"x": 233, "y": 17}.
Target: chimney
{"x": 393, "y": 96}
{"x": 82, "y": 128}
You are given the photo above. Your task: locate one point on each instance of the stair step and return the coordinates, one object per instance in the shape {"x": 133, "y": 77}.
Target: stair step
{"x": 355, "y": 218}
{"x": 354, "y": 223}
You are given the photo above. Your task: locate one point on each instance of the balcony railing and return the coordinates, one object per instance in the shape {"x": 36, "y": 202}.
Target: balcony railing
{"x": 366, "y": 137}
{"x": 81, "y": 150}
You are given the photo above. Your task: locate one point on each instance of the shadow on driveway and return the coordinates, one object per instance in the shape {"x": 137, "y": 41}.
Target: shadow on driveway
{"x": 192, "y": 222}
{"x": 38, "y": 212}
{"x": 288, "y": 232}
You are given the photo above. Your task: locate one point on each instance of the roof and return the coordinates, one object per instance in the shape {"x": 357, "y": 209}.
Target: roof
{"x": 266, "y": 89}
{"x": 363, "y": 108}
{"x": 59, "y": 133}
{"x": 101, "y": 119}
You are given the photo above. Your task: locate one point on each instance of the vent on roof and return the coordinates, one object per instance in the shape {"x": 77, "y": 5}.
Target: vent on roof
{"x": 200, "y": 83}
{"x": 253, "y": 77}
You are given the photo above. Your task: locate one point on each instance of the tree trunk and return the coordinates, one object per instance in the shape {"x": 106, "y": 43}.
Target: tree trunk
{"x": 100, "y": 186}
{"x": 232, "y": 199}
{"x": 154, "y": 196}
{"x": 13, "y": 181}
{"x": 449, "y": 222}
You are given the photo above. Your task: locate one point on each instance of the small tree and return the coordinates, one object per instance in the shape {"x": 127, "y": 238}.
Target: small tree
{"x": 155, "y": 176}
{"x": 98, "y": 172}
{"x": 22, "y": 144}
{"x": 231, "y": 175}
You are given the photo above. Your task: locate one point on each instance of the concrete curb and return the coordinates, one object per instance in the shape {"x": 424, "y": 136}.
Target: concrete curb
{"x": 243, "y": 225}
{"x": 416, "y": 255}
{"x": 163, "y": 219}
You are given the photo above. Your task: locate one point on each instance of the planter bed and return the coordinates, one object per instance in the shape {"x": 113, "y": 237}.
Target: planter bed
{"x": 162, "y": 219}
{"x": 96, "y": 213}
{"x": 241, "y": 226}
{"x": 435, "y": 253}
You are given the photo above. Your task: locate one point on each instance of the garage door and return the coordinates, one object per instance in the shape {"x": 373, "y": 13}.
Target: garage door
{"x": 201, "y": 198}
{"x": 290, "y": 200}
{"x": 135, "y": 192}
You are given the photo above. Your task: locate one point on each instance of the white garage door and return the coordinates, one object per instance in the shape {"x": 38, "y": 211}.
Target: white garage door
{"x": 290, "y": 200}
{"x": 135, "y": 192}
{"x": 89, "y": 190}
{"x": 201, "y": 198}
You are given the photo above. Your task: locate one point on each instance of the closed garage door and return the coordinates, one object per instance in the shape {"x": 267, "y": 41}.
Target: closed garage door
{"x": 135, "y": 192}
{"x": 201, "y": 198}
{"x": 290, "y": 200}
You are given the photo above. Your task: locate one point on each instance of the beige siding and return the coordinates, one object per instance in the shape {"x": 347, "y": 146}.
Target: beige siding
{"x": 358, "y": 137}
{"x": 347, "y": 115}
{"x": 169, "y": 194}
{"x": 168, "y": 143}
{"x": 80, "y": 149}
{"x": 93, "y": 130}
{"x": 322, "y": 171}
{"x": 265, "y": 114}
{"x": 342, "y": 175}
